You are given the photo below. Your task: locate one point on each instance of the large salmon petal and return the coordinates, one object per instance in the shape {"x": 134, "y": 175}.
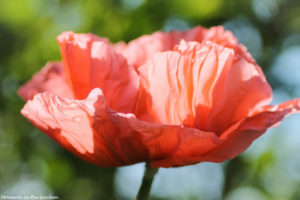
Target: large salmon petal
{"x": 51, "y": 78}
{"x": 202, "y": 85}
{"x": 236, "y": 139}
{"x": 90, "y": 62}
{"x": 106, "y": 138}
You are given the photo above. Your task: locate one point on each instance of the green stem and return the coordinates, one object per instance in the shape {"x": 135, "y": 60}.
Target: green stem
{"x": 146, "y": 183}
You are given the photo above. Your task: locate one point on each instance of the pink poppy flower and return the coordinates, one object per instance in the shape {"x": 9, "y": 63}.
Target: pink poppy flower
{"x": 169, "y": 99}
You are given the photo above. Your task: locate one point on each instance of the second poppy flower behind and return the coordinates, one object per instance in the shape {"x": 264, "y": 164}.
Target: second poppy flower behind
{"x": 170, "y": 99}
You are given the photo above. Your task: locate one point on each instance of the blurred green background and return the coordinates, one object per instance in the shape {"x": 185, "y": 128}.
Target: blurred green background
{"x": 31, "y": 163}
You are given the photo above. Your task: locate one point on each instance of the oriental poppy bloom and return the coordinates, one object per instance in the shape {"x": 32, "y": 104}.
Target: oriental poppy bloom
{"x": 168, "y": 99}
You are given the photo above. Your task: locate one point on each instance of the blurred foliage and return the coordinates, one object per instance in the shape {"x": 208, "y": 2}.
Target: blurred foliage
{"x": 28, "y": 30}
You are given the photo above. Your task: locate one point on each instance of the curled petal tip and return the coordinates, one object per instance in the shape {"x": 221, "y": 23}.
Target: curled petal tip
{"x": 96, "y": 92}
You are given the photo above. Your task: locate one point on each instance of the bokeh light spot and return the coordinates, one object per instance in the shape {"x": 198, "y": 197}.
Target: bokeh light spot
{"x": 265, "y": 9}
{"x": 286, "y": 66}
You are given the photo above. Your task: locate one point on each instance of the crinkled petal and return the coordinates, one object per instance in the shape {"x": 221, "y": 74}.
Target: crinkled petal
{"x": 51, "y": 78}
{"x": 91, "y": 63}
{"x": 142, "y": 49}
{"x": 74, "y": 124}
{"x": 236, "y": 139}
{"x": 92, "y": 131}
{"x": 202, "y": 85}
{"x": 239, "y": 137}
